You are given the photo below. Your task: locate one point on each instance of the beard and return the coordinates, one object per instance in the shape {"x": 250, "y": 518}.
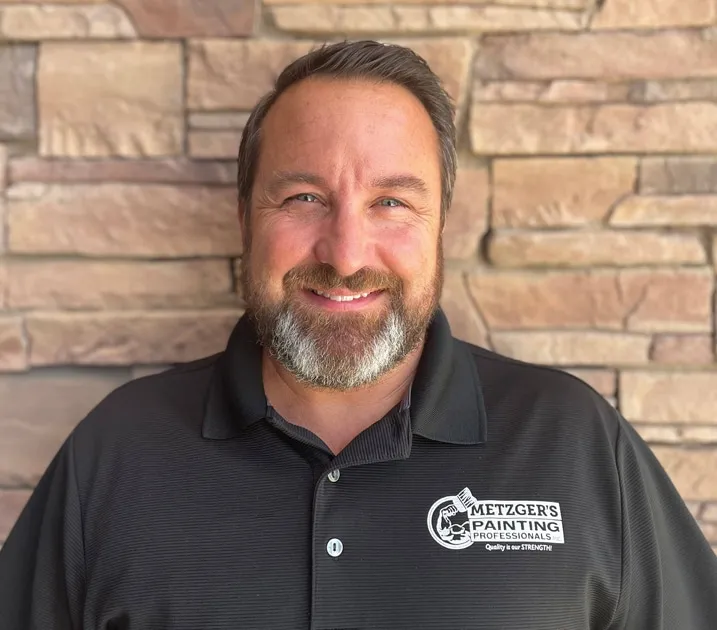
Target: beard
{"x": 339, "y": 350}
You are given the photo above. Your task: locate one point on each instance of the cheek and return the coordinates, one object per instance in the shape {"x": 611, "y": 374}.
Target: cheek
{"x": 276, "y": 248}
{"x": 412, "y": 255}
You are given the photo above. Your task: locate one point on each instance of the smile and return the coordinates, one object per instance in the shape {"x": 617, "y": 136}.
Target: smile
{"x": 341, "y": 298}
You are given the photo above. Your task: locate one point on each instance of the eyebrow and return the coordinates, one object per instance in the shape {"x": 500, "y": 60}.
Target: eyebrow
{"x": 281, "y": 179}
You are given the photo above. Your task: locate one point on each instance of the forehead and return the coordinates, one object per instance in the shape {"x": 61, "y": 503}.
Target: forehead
{"x": 333, "y": 125}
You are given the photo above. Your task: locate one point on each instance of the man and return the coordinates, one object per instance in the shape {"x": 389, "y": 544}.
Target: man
{"x": 346, "y": 463}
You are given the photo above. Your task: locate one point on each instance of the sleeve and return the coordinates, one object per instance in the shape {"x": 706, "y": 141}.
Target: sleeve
{"x": 669, "y": 578}
{"x": 42, "y": 560}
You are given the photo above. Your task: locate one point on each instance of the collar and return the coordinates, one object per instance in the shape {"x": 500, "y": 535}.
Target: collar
{"x": 446, "y": 398}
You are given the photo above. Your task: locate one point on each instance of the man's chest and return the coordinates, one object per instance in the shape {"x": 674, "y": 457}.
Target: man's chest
{"x": 446, "y": 539}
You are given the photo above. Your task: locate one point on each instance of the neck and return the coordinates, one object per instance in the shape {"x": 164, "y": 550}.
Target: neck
{"x": 336, "y": 417}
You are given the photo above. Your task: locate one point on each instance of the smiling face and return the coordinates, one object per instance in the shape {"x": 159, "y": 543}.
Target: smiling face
{"x": 343, "y": 263}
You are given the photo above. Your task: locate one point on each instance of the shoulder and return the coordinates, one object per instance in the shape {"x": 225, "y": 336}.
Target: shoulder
{"x": 541, "y": 395}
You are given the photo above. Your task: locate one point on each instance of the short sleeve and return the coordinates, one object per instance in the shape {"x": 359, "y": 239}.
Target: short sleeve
{"x": 42, "y": 561}
{"x": 669, "y": 579}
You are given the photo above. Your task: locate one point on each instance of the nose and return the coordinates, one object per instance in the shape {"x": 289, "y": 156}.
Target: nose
{"x": 344, "y": 239}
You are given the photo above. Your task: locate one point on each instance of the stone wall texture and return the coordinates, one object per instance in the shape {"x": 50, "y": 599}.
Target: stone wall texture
{"x": 583, "y": 233}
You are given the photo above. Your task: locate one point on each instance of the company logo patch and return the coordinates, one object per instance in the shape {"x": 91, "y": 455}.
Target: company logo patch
{"x": 456, "y": 522}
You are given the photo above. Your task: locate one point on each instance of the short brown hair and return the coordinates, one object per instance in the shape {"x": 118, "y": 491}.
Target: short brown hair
{"x": 359, "y": 60}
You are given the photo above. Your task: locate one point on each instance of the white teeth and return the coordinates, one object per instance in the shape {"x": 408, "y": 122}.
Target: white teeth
{"x": 341, "y": 298}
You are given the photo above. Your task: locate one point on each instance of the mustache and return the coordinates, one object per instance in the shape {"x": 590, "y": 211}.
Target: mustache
{"x": 323, "y": 277}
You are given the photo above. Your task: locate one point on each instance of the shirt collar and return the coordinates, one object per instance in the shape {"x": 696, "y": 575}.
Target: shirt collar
{"x": 446, "y": 401}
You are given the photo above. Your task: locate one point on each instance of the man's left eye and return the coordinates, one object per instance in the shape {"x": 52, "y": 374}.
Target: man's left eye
{"x": 391, "y": 203}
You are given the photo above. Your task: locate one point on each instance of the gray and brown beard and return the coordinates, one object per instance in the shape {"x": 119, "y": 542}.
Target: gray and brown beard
{"x": 334, "y": 350}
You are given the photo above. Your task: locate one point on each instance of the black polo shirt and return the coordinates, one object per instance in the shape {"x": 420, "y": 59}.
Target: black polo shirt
{"x": 505, "y": 496}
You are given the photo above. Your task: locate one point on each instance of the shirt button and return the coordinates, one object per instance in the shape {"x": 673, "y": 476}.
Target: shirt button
{"x": 334, "y": 476}
{"x": 335, "y": 547}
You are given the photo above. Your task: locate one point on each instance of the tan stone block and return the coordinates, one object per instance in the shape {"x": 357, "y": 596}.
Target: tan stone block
{"x": 3, "y": 168}
{"x": 650, "y": 14}
{"x": 39, "y": 410}
{"x": 11, "y": 504}
{"x": 636, "y": 300}
{"x": 163, "y": 171}
{"x": 214, "y": 144}
{"x": 17, "y": 96}
{"x": 191, "y": 18}
{"x": 686, "y": 435}
{"x": 611, "y": 56}
{"x": 498, "y": 129}
{"x": 669, "y": 397}
{"x": 546, "y": 4}
{"x": 235, "y": 74}
{"x": 695, "y": 507}
{"x": 558, "y": 192}
{"x": 602, "y": 381}
{"x": 573, "y": 348}
{"x": 126, "y": 99}
{"x": 113, "y": 338}
{"x": 682, "y": 350}
{"x": 13, "y": 345}
{"x": 140, "y": 371}
{"x": 693, "y": 471}
{"x": 466, "y": 322}
{"x": 678, "y": 175}
{"x": 123, "y": 220}
{"x": 332, "y": 18}
{"x": 687, "y": 90}
{"x": 583, "y": 249}
{"x": 675, "y": 300}
{"x": 218, "y": 120}
{"x": 561, "y": 91}
{"x": 87, "y": 21}
{"x": 467, "y": 219}
{"x": 709, "y": 513}
{"x": 710, "y": 531}
{"x": 72, "y": 284}
{"x": 686, "y": 210}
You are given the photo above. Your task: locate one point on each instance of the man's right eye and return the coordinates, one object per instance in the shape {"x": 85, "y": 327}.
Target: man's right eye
{"x": 304, "y": 197}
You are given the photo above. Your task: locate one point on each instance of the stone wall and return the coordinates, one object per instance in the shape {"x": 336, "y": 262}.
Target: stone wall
{"x": 582, "y": 234}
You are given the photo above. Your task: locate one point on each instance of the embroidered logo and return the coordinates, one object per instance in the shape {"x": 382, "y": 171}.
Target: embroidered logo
{"x": 456, "y": 522}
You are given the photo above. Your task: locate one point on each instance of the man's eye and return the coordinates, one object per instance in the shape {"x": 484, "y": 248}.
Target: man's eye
{"x": 305, "y": 197}
{"x": 390, "y": 203}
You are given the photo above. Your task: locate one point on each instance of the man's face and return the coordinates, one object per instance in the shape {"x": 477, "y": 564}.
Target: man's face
{"x": 343, "y": 263}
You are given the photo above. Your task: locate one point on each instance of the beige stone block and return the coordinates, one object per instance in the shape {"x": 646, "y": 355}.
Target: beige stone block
{"x": 687, "y": 90}
{"x": 540, "y": 4}
{"x": 611, "y": 56}
{"x": 683, "y": 435}
{"x": 126, "y": 99}
{"x": 678, "y": 175}
{"x": 559, "y": 192}
{"x": 652, "y": 14}
{"x": 653, "y": 211}
{"x": 235, "y": 74}
{"x": 218, "y": 120}
{"x": 466, "y": 322}
{"x": 74, "y": 284}
{"x": 39, "y": 410}
{"x": 602, "y": 381}
{"x": 467, "y": 219}
{"x": 584, "y": 249}
{"x": 17, "y": 91}
{"x": 13, "y": 345}
{"x": 191, "y": 18}
{"x": 140, "y": 371}
{"x": 635, "y": 300}
{"x": 157, "y": 171}
{"x": 11, "y": 504}
{"x": 4, "y": 167}
{"x": 693, "y": 471}
{"x": 126, "y": 338}
{"x": 682, "y": 350}
{"x": 214, "y": 144}
{"x": 709, "y": 513}
{"x": 561, "y": 91}
{"x": 123, "y": 220}
{"x": 332, "y": 18}
{"x": 573, "y": 348}
{"x": 710, "y": 531}
{"x": 669, "y": 397}
{"x": 57, "y": 21}
{"x": 498, "y": 129}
